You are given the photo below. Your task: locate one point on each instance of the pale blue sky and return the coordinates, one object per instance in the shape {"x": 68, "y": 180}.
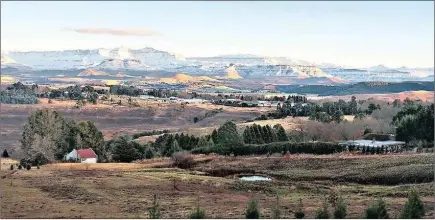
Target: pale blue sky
{"x": 345, "y": 33}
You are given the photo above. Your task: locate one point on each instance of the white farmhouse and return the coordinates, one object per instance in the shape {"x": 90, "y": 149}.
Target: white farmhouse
{"x": 83, "y": 155}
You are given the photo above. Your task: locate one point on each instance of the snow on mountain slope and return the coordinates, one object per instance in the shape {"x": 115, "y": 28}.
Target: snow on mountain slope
{"x": 122, "y": 64}
{"x": 6, "y": 60}
{"x": 377, "y": 74}
{"x": 239, "y": 65}
{"x": 82, "y": 59}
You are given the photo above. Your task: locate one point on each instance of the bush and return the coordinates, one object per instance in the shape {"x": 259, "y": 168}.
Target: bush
{"x": 340, "y": 210}
{"x": 300, "y": 212}
{"x": 322, "y": 213}
{"x": 28, "y": 167}
{"x": 197, "y": 213}
{"x": 182, "y": 160}
{"x": 252, "y": 210}
{"x": 5, "y": 154}
{"x": 276, "y": 210}
{"x": 20, "y": 167}
{"x": 414, "y": 208}
{"x": 377, "y": 211}
{"x": 154, "y": 210}
{"x": 12, "y": 167}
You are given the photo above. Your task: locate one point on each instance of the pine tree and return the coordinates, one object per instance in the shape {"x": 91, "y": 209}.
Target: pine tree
{"x": 377, "y": 211}
{"x": 252, "y": 211}
{"x": 280, "y": 133}
{"x": 340, "y": 210}
{"x": 5, "y": 153}
{"x": 322, "y": 213}
{"x": 266, "y": 135}
{"x": 154, "y": 211}
{"x": 414, "y": 208}
{"x": 271, "y": 132}
{"x": 300, "y": 211}
{"x": 214, "y": 136}
{"x": 173, "y": 148}
{"x": 246, "y": 135}
{"x": 228, "y": 138}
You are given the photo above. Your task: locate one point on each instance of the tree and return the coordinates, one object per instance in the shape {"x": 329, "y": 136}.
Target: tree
{"x": 5, "y": 153}
{"x": 93, "y": 97}
{"x": 322, "y": 213}
{"x": 414, "y": 208}
{"x": 195, "y": 119}
{"x": 47, "y": 134}
{"x": 124, "y": 151}
{"x": 228, "y": 138}
{"x": 91, "y": 137}
{"x": 252, "y": 211}
{"x": 353, "y": 105}
{"x": 377, "y": 211}
{"x": 214, "y": 136}
{"x": 154, "y": 210}
{"x": 338, "y": 116}
{"x": 172, "y": 148}
{"x": 300, "y": 211}
{"x": 280, "y": 133}
{"x": 340, "y": 210}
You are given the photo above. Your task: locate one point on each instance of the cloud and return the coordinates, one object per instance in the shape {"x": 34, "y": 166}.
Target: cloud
{"x": 118, "y": 32}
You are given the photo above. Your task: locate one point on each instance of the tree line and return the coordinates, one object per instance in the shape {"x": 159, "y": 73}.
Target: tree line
{"x": 257, "y": 134}
{"x": 415, "y": 123}
{"x": 18, "y": 93}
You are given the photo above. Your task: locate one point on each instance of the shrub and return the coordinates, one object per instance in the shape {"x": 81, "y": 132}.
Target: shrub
{"x": 322, "y": 213}
{"x": 12, "y": 167}
{"x": 252, "y": 211}
{"x": 183, "y": 160}
{"x": 377, "y": 211}
{"x": 414, "y": 208}
{"x": 5, "y": 153}
{"x": 300, "y": 211}
{"x": 276, "y": 211}
{"x": 340, "y": 210}
{"x": 28, "y": 167}
{"x": 198, "y": 212}
{"x": 20, "y": 167}
{"x": 154, "y": 210}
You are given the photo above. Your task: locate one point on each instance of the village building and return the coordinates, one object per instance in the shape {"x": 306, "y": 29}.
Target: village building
{"x": 82, "y": 155}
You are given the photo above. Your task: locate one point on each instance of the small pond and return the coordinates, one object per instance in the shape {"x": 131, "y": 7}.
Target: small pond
{"x": 255, "y": 178}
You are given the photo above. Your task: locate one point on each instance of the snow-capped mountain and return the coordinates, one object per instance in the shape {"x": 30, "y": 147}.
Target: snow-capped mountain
{"x": 245, "y": 65}
{"x": 8, "y": 64}
{"x": 102, "y": 58}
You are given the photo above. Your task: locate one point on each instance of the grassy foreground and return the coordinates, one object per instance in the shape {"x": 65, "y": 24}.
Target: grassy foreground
{"x": 126, "y": 190}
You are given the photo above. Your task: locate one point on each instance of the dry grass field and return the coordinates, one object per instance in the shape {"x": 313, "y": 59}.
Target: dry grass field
{"x": 126, "y": 190}
{"x": 114, "y": 120}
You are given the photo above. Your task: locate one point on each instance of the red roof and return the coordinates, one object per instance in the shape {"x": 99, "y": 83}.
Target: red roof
{"x": 86, "y": 153}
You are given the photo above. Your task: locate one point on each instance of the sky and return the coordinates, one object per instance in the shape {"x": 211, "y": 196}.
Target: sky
{"x": 358, "y": 34}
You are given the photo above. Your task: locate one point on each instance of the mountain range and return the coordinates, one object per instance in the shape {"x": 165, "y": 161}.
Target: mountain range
{"x": 237, "y": 66}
